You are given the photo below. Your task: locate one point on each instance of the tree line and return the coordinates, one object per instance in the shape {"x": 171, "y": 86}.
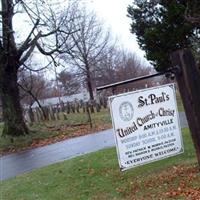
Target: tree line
{"x": 118, "y": 65}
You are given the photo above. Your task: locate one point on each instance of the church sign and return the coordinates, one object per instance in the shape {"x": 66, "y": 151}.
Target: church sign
{"x": 146, "y": 125}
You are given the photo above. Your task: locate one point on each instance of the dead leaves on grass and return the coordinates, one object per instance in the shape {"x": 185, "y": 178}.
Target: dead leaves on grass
{"x": 186, "y": 177}
{"x": 187, "y": 194}
{"x": 62, "y": 133}
{"x": 178, "y": 182}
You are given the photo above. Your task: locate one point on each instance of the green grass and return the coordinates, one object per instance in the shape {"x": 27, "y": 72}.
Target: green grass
{"x": 51, "y": 129}
{"x": 179, "y": 102}
{"x": 96, "y": 176}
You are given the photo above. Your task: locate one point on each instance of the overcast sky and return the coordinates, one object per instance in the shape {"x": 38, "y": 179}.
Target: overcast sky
{"x": 114, "y": 14}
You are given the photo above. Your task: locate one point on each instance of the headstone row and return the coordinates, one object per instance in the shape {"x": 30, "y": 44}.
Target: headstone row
{"x": 55, "y": 112}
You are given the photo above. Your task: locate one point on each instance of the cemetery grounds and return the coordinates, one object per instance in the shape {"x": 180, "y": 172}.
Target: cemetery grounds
{"x": 97, "y": 176}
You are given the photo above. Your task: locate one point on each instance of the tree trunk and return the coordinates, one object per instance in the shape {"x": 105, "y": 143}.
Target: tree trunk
{"x": 89, "y": 85}
{"x": 188, "y": 79}
{"x": 14, "y": 124}
{"x": 38, "y": 102}
{"x": 31, "y": 114}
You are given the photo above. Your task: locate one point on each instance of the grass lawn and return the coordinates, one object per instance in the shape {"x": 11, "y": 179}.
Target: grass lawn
{"x": 96, "y": 176}
{"x": 53, "y": 131}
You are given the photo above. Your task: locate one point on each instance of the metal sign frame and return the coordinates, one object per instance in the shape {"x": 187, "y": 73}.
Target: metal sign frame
{"x": 168, "y": 72}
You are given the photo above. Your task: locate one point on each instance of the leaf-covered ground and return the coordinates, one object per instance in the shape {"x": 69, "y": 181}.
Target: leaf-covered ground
{"x": 49, "y": 132}
{"x": 178, "y": 182}
{"x": 96, "y": 176}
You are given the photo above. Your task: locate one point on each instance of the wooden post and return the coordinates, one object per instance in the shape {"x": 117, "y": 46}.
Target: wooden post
{"x": 98, "y": 108}
{"x": 38, "y": 114}
{"x": 77, "y": 106}
{"x": 91, "y": 104}
{"x": 88, "y": 114}
{"x": 27, "y": 117}
{"x": 98, "y": 103}
{"x": 62, "y": 106}
{"x": 188, "y": 79}
{"x": 73, "y": 107}
{"x": 57, "y": 113}
{"x": 46, "y": 111}
{"x": 31, "y": 115}
{"x": 51, "y": 111}
{"x": 64, "y": 115}
{"x": 105, "y": 102}
{"x": 68, "y": 108}
{"x": 35, "y": 115}
{"x": 84, "y": 107}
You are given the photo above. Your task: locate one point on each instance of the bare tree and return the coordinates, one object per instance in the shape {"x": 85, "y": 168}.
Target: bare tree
{"x": 13, "y": 55}
{"x": 119, "y": 65}
{"x": 69, "y": 82}
{"x": 33, "y": 87}
{"x": 105, "y": 72}
{"x": 89, "y": 43}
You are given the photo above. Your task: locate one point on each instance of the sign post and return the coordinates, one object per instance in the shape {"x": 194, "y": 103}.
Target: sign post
{"x": 146, "y": 126}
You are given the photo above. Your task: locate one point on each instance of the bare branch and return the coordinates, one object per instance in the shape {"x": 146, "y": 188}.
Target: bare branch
{"x": 36, "y": 70}
{"x": 33, "y": 96}
{"x": 27, "y": 42}
{"x": 46, "y": 53}
{"x": 30, "y": 50}
{"x": 49, "y": 33}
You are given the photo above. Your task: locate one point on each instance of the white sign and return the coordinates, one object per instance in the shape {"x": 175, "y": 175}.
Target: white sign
{"x": 146, "y": 125}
